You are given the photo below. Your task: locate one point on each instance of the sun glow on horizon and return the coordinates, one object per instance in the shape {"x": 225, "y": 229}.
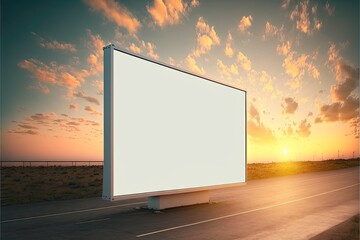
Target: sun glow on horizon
{"x": 284, "y": 151}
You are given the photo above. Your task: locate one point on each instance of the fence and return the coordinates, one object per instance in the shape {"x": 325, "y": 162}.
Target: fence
{"x": 49, "y": 163}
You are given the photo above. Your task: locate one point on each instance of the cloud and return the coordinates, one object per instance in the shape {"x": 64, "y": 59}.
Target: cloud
{"x": 171, "y": 61}
{"x": 284, "y": 48}
{"x": 257, "y": 131}
{"x": 49, "y": 123}
{"x": 192, "y": 65}
{"x": 289, "y": 106}
{"x": 135, "y": 48}
{"x": 296, "y": 67}
{"x": 345, "y": 100}
{"x": 87, "y": 98}
{"x": 303, "y": 130}
{"x": 60, "y": 75}
{"x": 229, "y": 52}
{"x": 195, "y": 3}
{"x": 263, "y": 78}
{"x": 92, "y": 111}
{"x": 329, "y": 9}
{"x": 341, "y": 91}
{"x": 273, "y": 31}
{"x": 206, "y": 37}
{"x": 340, "y": 111}
{"x": 27, "y": 126}
{"x": 150, "y": 47}
{"x": 301, "y": 15}
{"x": 254, "y": 113}
{"x": 73, "y": 123}
{"x": 318, "y": 120}
{"x": 70, "y": 81}
{"x": 41, "y": 119}
{"x": 39, "y": 70}
{"x": 100, "y": 86}
{"x": 54, "y": 44}
{"x": 226, "y": 71}
{"x": 335, "y": 62}
{"x": 43, "y": 88}
{"x": 95, "y": 45}
{"x": 74, "y": 107}
{"x": 245, "y": 23}
{"x": 116, "y": 13}
{"x": 244, "y": 61}
{"x": 25, "y": 132}
{"x": 285, "y": 4}
{"x": 66, "y": 75}
{"x": 169, "y": 12}
{"x": 288, "y": 131}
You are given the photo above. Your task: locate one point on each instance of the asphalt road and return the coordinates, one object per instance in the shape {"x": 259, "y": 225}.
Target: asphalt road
{"x": 293, "y": 207}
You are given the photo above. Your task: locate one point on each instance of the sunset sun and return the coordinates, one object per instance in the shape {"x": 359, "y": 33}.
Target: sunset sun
{"x": 284, "y": 151}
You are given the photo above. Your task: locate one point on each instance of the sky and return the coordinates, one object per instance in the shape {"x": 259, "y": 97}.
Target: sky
{"x": 297, "y": 60}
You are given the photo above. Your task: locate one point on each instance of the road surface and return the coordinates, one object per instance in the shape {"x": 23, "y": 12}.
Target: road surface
{"x": 292, "y": 207}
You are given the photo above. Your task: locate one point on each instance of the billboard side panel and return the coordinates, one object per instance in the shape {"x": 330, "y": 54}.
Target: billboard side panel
{"x": 173, "y": 131}
{"x": 108, "y": 150}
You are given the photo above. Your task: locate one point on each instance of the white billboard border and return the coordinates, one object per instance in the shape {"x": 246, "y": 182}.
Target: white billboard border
{"x": 108, "y": 188}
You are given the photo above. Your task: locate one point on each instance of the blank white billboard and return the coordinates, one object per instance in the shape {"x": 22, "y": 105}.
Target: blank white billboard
{"x": 167, "y": 130}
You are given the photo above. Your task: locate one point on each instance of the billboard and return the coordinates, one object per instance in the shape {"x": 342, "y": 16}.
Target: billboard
{"x": 167, "y": 130}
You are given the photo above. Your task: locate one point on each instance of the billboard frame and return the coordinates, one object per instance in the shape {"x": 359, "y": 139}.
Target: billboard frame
{"x": 108, "y": 183}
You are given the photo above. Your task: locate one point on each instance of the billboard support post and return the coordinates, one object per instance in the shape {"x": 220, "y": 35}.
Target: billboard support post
{"x": 178, "y": 200}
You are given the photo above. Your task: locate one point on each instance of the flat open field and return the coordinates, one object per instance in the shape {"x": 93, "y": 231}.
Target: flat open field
{"x": 36, "y": 184}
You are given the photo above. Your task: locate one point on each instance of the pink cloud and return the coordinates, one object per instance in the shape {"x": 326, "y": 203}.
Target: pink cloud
{"x": 116, "y": 13}
{"x": 54, "y": 44}
{"x": 27, "y": 126}
{"x": 150, "y": 47}
{"x": 54, "y": 74}
{"x": 95, "y": 45}
{"x": 92, "y": 111}
{"x": 74, "y": 107}
{"x": 169, "y": 12}
{"x": 87, "y": 98}
{"x": 25, "y": 132}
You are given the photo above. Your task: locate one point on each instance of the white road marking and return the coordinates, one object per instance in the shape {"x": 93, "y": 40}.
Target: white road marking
{"x": 91, "y": 221}
{"x": 72, "y": 212}
{"x": 245, "y": 212}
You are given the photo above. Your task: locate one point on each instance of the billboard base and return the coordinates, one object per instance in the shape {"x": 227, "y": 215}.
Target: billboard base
{"x": 178, "y": 200}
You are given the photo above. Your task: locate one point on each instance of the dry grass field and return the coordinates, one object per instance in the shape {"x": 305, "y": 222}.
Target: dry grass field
{"x": 35, "y": 184}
